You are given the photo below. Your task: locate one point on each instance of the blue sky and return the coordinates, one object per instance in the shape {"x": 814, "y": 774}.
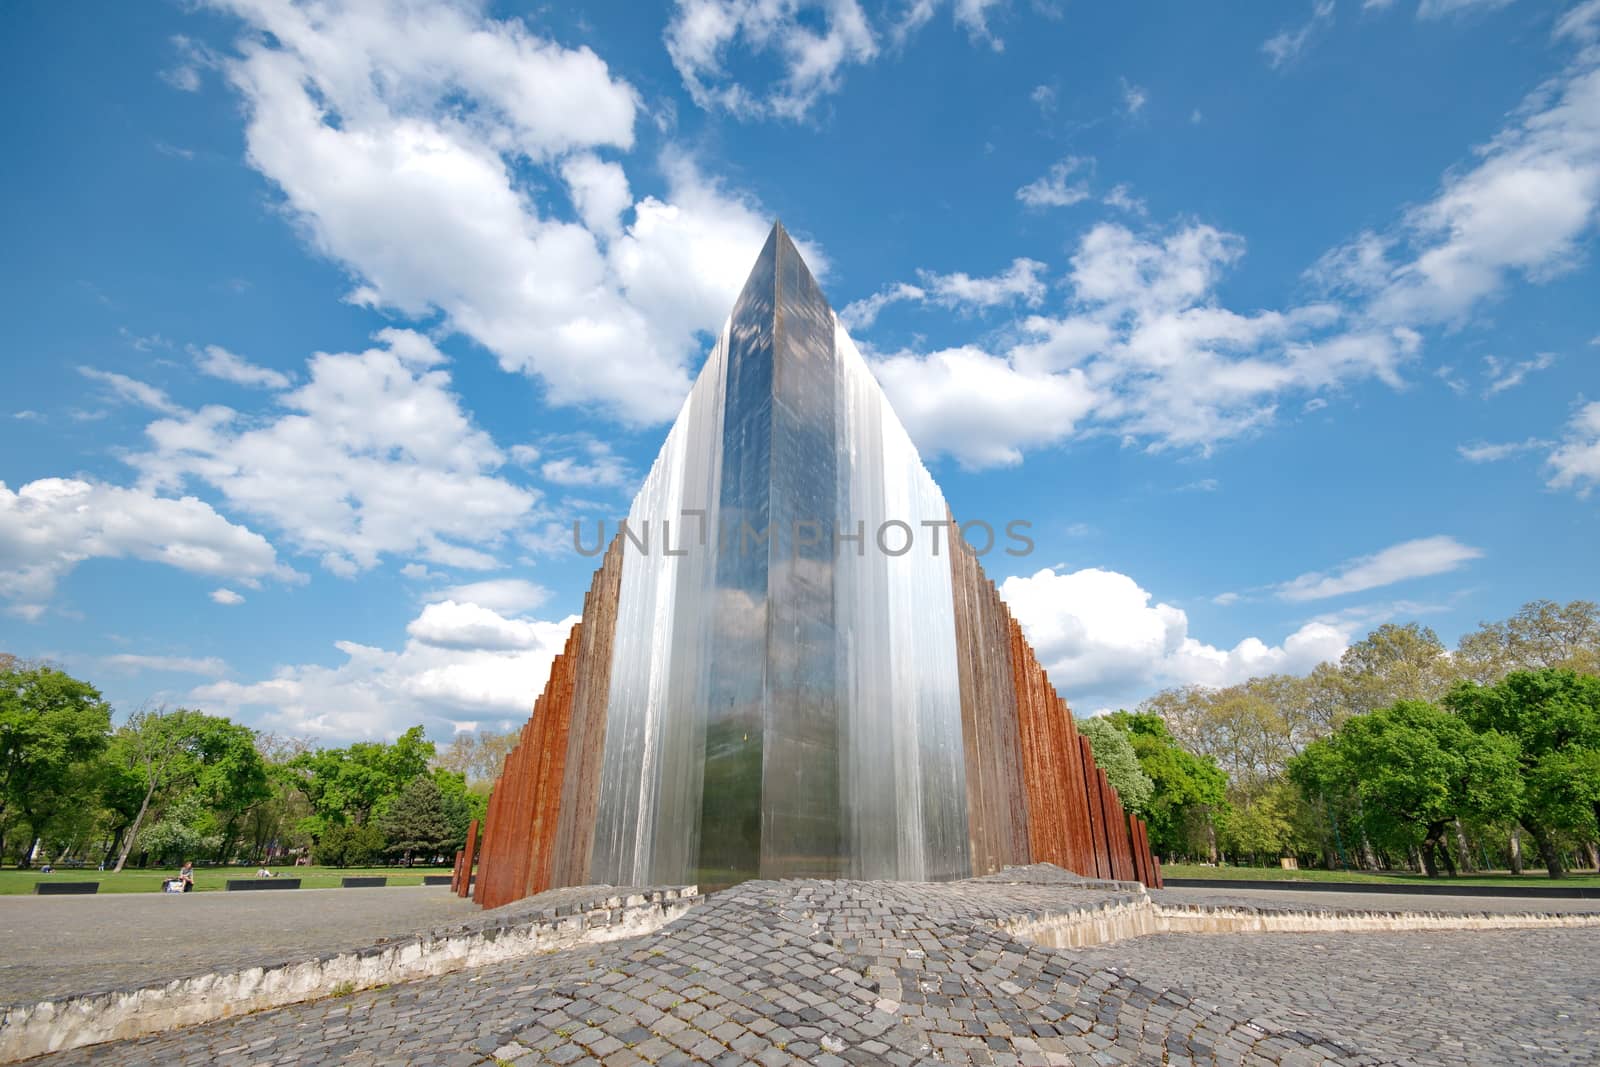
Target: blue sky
{"x": 326, "y": 321}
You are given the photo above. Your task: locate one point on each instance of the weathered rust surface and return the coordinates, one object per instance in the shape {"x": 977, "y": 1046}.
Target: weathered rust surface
{"x": 540, "y": 821}
{"x": 468, "y": 857}
{"x": 586, "y": 737}
{"x": 997, "y": 806}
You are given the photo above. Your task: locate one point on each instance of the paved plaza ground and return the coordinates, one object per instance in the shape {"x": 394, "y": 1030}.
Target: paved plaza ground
{"x": 847, "y": 972}
{"x": 62, "y": 945}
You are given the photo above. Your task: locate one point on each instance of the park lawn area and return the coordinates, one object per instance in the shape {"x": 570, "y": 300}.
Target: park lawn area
{"x": 1530, "y": 877}
{"x": 206, "y": 879}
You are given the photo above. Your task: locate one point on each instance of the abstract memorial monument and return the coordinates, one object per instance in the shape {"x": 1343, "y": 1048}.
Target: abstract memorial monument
{"x": 787, "y": 666}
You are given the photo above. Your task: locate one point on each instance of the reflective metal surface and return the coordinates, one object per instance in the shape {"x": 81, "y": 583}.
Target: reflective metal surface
{"x": 784, "y": 700}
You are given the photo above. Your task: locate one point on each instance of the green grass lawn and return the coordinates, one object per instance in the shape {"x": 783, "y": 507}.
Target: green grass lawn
{"x": 1530, "y": 877}
{"x": 208, "y": 878}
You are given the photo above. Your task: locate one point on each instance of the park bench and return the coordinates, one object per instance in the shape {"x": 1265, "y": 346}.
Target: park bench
{"x": 237, "y": 884}
{"x": 436, "y": 879}
{"x": 363, "y": 881}
{"x": 61, "y": 889}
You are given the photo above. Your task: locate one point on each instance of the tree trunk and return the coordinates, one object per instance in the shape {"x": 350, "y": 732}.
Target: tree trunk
{"x": 1594, "y": 854}
{"x": 1463, "y": 854}
{"x": 1516, "y": 850}
{"x": 1547, "y": 850}
{"x": 133, "y": 830}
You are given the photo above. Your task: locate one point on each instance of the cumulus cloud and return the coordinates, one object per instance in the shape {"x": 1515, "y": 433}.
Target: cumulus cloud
{"x": 226, "y": 597}
{"x": 1397, "y": 563}
{"x": 1143, "y": 351}
{"x": 49, "y": 526}
{"x": 959, "y": 291}
{"x": 509, "y": 596}
{"x": 401, "y": 138}
{"x": 373, "y": 455}
{"x": 218, "y": 362}
{"x": 1100, "y": 636}
{"x": 459, "y": 662}
{"x": 1520, "y": 211}
{"x": 980, "y": 408}
{"x": 1575, "y": 463}
{"x": 813, "y": 42}
{"x": 1062, "y": 186}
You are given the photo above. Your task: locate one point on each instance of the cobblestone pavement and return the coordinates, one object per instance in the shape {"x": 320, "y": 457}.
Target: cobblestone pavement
{"x": 90, "y": 944}
{"x": 1305, "y": 898}
{"x": 1446, "y": 998}
{"x": 775, "y": 973}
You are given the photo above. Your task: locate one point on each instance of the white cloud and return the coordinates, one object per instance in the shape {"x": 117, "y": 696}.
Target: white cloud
{"x": 1058, "y": 187}
{"x": 1397, "y": 563}
{"x": 593, "y": 465}
{"x": 957, "y": 291}
{"x": 1044, "y": 97}
{"x": 1020, "y": 281}
{"x": 448, "y": 624}
{"x": 1099, "y": 635}
{"x": 1286, "y": 46}
{"x": 1142, "y": 351}
{"x": 1576, "y": 461}
{"x": 1121, "y": 197}
{"x": 131, "y": 390}
{"x": 861, "y": 314}
{"x": 970, "y": 15}
{"x": 49, "y": 526}
{"x": 485, "y": 665}
{"x": 1503, "y": 376}
{"x": 813, "y": 40}
{"x": 1437, "y": 9}
{"x": 226, "y": 597}
{"x": 1483, "y": 452}
{"x": 1520, "y": 211}
{"x": 373, "y": 455}
{"x": 402, "y": 139}
{"x": 1225, "y": 599}
{"x": 218, "y": 362}
{"x": 1134, "y": 97}
{"x": 506, "y": 595}
{"x": 979, "y": 408}
{"x": 1581, "y": 22}
{"x": 209, "y": 666}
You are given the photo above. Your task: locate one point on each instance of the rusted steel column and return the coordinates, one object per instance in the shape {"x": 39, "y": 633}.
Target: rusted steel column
{"x": 467, "y": 855}
{"x": 586, "y": 733}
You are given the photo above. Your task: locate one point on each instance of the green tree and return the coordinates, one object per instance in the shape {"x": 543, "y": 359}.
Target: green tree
{"x": 414, "y": 822}
{"x": 1541, "y": 635}
{"x": 1113, "y": 751}
{"x": 1415, "y": 768}
{"x": 461, "y": 805}
{"x": 1259, "y": 826}
{"x": 1187, "y": 791}
{"x": 1554, "y": 718}
{"x": 352, "y": 845}
{"x": 167, "y": 753}
{"x": 350, "y": 784}
{"x": 232, "y": 777}
{"x": 52, "y": 726}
